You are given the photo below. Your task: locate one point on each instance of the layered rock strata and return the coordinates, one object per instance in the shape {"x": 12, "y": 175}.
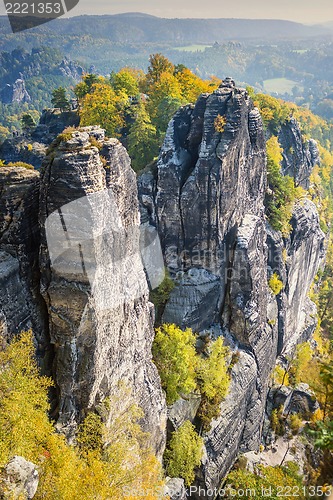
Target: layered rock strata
{"x": 206, "y": 199}
{"x": 93, "y": 280}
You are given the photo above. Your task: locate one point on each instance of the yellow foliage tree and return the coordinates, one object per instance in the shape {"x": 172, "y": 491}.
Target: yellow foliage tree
{"x": 104, "y": 107}
{"x": 112, "y": 458}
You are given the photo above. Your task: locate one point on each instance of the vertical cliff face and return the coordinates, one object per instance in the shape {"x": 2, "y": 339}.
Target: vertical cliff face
{"x": 299, "y": 155}
{"x": 206, "y": 200}
{"x": 93, "y": 281}
{"x": 21, "y": 306}
{"x": 207, "y": 181}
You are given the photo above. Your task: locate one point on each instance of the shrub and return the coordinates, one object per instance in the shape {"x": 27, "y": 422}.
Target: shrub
{"x": 281, "y": 197}
{"x": 184, "y": 453}
{"x": 213, "y": 381}
{"x": 275, "y": 284}
{"x": 21, "y": 164}
{"x": 295, "y": 423}
{"x": 272, "y": 480}
{"x": 220, "y": 123}
{"x": 160, "y": 296}
{"x": 176, "y": 360}
{"x": 277, "y": 422}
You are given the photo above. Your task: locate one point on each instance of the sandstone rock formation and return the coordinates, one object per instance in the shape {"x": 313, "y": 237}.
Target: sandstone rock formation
{"x": 16, "y": 93}
{"x": 207, "y": 201}
{"x": 21, "y": 306}
{"x": 93, "y": 281}
{"x": 19, "y": 479}
{"x": 299, "y": 156}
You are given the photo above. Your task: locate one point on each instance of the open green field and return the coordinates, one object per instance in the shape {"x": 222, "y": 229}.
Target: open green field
{"x": 280, "y": 85}
{"x": 192, "y": 48}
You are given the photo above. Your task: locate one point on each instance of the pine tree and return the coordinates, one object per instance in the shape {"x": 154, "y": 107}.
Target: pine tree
{"x": 59, "y": 99}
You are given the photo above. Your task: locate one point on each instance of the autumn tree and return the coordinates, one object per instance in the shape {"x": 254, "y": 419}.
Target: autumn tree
{"x": 165, "y": 97}
{"x": 213, "y": 380}
{"x": 102, "y": 106}
{"x": 175, "y": 357}
{"x": 184, "y": 453}
{"x": 158, "y": 64}
{"x": 112, "y": 455}
{"x": 127, "y": 81}
{"x": 4, "y": 133}
{"x": 142, "y": 139}
{"x": 191, "y": 85}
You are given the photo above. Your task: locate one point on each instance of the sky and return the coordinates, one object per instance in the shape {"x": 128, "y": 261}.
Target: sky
{"x": 305, "y": 11}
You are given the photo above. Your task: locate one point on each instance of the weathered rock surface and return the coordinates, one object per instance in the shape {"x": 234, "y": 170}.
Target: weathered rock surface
{"x": 297, "y": 261}
{"x": 19, "y": 479}
{"x": 299, "y": 156}
{"x": 21, "y": 306}
{"x": 93, "y": 281}
{"x": 206, "y": 200}
{"x": 208, "y": 180}
{"x": 175, "y": 488}
{"x": 15, "y": 93}
{"x": 194, "y": 301}
{"x": 31, "y": 147}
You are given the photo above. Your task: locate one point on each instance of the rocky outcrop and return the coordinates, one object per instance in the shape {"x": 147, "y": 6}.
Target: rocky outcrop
{"x": 21, "y": 306}
{"x": 23, "y": 149}
{"x": 207, "y": 180}
{"x": 71, "y": 69}
{"x": 31, "y": 147}
{"x": 19, "y": 479}
{"x": 299, "y": 155}
{"x": 93, "y": 280}
{"x": 52, "y": 122}
{"x": 207, "y": 201}
{"x": 296, "y": 260}
{"x": 16, "y": 93}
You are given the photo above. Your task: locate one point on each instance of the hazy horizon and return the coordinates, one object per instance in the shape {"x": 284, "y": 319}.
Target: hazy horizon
{"x": 303, "y": 11}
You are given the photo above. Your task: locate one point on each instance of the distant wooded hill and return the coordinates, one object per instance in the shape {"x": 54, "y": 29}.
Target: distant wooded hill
{"x": 136, "y": 27}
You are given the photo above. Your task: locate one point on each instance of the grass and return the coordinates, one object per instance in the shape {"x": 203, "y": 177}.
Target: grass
{"x": 280, "y": 85}
{"x": 192, "y": 48}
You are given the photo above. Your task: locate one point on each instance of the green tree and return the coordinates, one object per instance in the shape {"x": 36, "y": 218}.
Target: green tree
{"x": 4, "y": 133}
{"x": 184, "y": 453}
{"x": 60, "y": 100}
{"x": 282, "y": 194}
{"x": 126, "y": 80}
{"x": 85, "y": 86}
{"x": 142, "y": 139}
{"x": 175, "y": 357}
{"x": 28, "y": 123}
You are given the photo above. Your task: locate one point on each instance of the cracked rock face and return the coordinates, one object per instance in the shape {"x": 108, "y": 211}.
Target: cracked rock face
{"x": 299, "y": 156}
{"x": 21, "y": 306}
{"x": 206, "y": 200}
{"x": 93, "y": 281}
